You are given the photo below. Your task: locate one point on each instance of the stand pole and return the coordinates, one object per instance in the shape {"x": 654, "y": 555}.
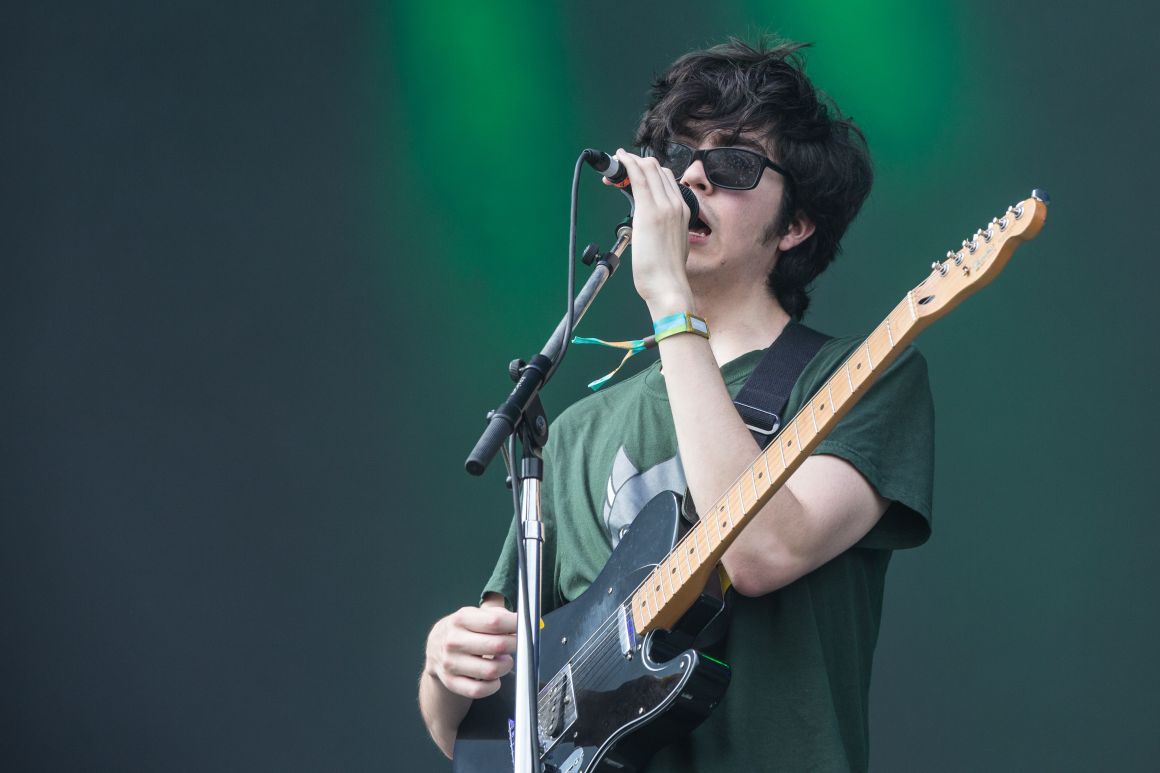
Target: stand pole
{"x": 528, "y": 618}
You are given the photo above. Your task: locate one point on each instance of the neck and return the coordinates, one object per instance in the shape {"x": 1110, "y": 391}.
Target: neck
{"x": 741, "y": 324}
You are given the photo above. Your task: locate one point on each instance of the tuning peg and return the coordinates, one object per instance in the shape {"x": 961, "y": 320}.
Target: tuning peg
{"x": 1041, "y": 195}
{"x": 941, "y": 268}
{"x": 956, "y": 257}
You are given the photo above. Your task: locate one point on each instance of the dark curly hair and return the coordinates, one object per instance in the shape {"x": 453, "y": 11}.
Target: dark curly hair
{"x": 736, "y": 88}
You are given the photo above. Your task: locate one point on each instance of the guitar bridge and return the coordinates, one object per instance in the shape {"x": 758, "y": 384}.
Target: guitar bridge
{"x": 557, "y": 709}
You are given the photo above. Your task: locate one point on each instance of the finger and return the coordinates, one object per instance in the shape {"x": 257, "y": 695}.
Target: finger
{"x": 651, "y": 182}
{"x": 660, "y": 180}
{"x": 636, "y": 177}
{"x": 475, "y": 667}
{"x": 471, "y": 688}
{"x": 675, "y": 188}
{"x": 495, "y": 620}
{"x": 474, "y": 643}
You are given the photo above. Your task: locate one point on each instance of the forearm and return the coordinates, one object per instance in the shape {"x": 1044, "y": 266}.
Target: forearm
{"x": 715, "y": 448}
{"x": 442, "y": 710}
{"x": 824, "y": 508}
{"x": 467, "y": 653}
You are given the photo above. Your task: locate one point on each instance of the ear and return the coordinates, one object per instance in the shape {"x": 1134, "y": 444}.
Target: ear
{"x": 800, "y": 229}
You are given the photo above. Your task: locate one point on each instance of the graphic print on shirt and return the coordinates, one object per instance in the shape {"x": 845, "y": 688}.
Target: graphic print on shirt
{"x": 629, "y": 490}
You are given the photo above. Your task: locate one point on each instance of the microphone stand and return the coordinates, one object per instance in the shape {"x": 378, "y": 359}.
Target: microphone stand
{"x": 523, "y": 413}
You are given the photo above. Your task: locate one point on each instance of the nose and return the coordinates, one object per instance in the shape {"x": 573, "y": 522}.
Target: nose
{"x": 695, "y": 177}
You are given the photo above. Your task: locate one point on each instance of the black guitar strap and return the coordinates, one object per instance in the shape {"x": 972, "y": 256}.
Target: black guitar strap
{"x": 761, "y": 402}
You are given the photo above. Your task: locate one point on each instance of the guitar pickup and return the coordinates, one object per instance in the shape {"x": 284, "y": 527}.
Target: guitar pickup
{"x": 627, "y": 631}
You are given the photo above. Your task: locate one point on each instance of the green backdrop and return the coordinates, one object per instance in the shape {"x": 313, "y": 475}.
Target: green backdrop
{"x": 263, "y": 267}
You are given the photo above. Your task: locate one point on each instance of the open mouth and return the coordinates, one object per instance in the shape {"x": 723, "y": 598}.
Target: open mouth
{"x": 700, "y": 227}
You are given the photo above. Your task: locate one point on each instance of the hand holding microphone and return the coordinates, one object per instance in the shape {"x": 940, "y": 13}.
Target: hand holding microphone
{"x": 616, "y": 174}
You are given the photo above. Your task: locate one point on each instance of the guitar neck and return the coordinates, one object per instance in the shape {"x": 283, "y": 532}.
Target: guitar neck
{"x": 675, "y": 583}
{"x": 677, "y": 580}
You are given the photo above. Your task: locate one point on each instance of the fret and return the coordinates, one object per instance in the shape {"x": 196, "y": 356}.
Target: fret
{"x": 689, "y": 549}
{"x": 910, "y": 304}
{"x": 889, "y": 334}
{"x": 671, "y": 569}
{"x": 782, "y": 452}
{"x": 814, "y": 419}
{"x": 717, "y": 526}
{"x": 686, "y": 551}
{"x": 729, "y": 510}
{"x": 849, "y": 378}
{"x": 830, "y": 392}
{"x": 768, "y": 474}
{"x": 869, "y": 357}
{"x": 863, "y": 374}
{"x": 753, "y": 482}
{"x": 654, "y": 585}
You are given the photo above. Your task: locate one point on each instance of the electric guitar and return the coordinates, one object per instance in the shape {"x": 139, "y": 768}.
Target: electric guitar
{"x": 618, "y": 676}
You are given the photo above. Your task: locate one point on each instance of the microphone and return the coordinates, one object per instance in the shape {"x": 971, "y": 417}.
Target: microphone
{"x": 608, "y": 166}
{"x": 616, "y": 174}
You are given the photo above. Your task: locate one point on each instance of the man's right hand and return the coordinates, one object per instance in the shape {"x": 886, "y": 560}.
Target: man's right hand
{"x": 469, "y": 650}
{"x": 467, "y": 653}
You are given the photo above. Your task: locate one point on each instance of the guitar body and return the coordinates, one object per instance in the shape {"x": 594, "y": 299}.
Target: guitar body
{"x": 607, "y": 699}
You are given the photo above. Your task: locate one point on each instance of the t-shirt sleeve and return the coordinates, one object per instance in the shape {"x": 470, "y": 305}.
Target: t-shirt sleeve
{"x": 504, "y": 577}
{"x": 888, "y": 436}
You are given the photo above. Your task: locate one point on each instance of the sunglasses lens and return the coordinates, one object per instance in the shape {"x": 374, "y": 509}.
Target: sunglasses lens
{"x": 732, "y": 168}
{"x": 676, "y": 157}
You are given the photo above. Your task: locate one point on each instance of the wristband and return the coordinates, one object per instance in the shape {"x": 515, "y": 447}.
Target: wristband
{"x": 684, "y": 322}
{"x": 662, "y": 328}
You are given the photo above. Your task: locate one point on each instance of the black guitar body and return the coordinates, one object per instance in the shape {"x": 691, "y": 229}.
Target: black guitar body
{"x": 608, "y": 700}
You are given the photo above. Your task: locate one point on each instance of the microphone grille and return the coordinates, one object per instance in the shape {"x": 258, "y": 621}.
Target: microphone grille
{"x": 691, "y": 200}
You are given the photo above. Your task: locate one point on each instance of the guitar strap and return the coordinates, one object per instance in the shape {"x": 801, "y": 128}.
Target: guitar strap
{"x": 762, "y": 400}
{"x": 761, "y": 403}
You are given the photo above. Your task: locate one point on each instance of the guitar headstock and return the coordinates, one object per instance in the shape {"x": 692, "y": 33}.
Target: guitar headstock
{"x": 980, "y": 258}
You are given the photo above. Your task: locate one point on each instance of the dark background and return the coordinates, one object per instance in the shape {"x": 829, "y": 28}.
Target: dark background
{"x": 263, "y": 266}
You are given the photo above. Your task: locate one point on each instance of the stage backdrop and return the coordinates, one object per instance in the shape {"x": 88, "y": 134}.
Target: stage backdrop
{"x": 263, "y": 267}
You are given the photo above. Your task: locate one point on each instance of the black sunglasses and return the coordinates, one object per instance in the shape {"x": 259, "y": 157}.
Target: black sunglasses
{"x": 734, "y": 168}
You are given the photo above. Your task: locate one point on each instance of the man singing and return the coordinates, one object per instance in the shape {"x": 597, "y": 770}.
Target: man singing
{"x": 779, "y": 175}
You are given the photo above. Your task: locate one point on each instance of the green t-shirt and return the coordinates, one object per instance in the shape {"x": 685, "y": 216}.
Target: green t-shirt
{"x": 801, "y": 656}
